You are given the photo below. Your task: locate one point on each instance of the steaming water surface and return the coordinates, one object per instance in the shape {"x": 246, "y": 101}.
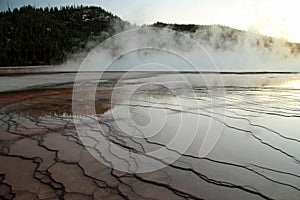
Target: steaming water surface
{"x": 238, "y": 136}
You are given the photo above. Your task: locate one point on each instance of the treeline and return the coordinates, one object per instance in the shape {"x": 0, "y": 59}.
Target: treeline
{"x": 190, "y": 27}
{"x": 42, "y": 36}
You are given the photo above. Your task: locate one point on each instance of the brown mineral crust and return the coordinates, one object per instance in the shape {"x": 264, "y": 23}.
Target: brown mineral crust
{"x": 19, "y": 173}
{"x": 56, "y": 101}
{"x": 73, "y": 179}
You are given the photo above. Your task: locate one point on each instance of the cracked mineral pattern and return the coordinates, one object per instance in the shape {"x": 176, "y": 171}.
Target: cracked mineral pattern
{"x": 256, "y": 156}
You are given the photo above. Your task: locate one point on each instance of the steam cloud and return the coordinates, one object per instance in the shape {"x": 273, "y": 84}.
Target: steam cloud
{"x": 228, "y": 49}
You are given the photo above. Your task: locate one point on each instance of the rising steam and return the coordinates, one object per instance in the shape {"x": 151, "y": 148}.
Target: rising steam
{"x": 228, "y": 49}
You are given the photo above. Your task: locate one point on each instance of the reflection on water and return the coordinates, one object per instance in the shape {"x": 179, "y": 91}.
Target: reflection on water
{"x": 294, "y": 84}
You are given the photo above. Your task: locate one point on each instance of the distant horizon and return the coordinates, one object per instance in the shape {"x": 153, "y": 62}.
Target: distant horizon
{"x": 269, "y": 17}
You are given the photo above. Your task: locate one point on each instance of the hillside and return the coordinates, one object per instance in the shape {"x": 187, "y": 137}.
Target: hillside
{"x": 45, "y": 36}
{"x": 36, "y": 36}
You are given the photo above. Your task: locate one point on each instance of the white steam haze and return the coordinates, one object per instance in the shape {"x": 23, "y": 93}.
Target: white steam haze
{"x": 210, "y": 48}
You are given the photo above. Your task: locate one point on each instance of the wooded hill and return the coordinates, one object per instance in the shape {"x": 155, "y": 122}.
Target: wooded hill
{"x": 42, "y": 36}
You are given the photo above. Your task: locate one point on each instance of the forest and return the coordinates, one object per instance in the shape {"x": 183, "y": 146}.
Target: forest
{"x": 45, "y": 36}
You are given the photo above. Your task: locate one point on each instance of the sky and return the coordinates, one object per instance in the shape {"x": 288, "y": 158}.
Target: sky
{"x": 279, "y": 18}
